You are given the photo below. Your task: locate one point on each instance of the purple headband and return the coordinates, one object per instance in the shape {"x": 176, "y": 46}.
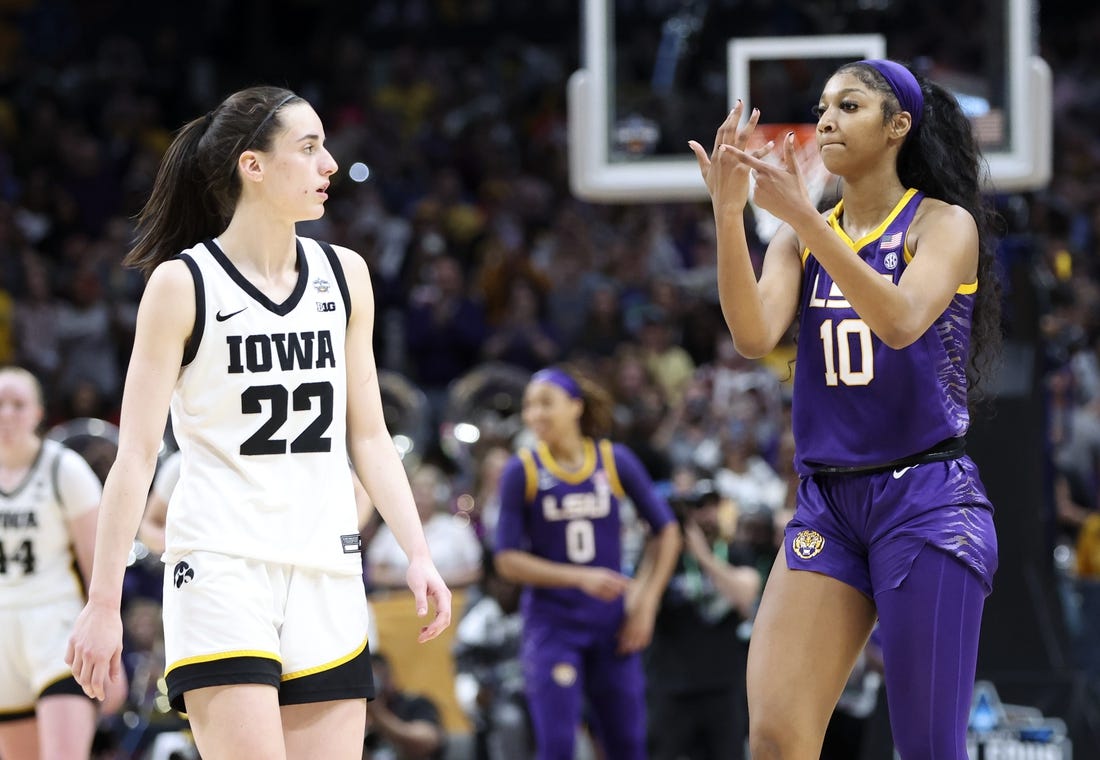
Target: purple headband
{"x": 904, "y": 85}
{"x": 559, "y": 378}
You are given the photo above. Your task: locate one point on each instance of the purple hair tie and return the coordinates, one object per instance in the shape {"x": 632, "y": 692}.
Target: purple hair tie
{"x": 904, "y": 85}
{"x": 559, "y": 378}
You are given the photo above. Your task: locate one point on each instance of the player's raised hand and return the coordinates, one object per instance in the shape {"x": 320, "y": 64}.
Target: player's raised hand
{"x": 780, "y": 188}
{"x": 727, "y": 180}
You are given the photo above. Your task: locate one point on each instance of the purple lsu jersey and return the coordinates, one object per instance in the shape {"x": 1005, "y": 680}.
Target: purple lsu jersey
{"x": 573, "y": 516}
{"x": 858, "y": 402}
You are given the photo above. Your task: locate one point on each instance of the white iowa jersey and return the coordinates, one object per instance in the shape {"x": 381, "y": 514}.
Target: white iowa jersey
{"x": 259, "y": 414}
{"x": 37, "y": 564}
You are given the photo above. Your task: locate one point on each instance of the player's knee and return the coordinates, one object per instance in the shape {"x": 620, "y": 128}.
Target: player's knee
{"x": 772, "y": 739}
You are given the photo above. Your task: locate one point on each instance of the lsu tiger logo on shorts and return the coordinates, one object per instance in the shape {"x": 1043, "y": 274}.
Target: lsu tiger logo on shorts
{"x": 808, "y": 544}
{"x": 564, "y": 674}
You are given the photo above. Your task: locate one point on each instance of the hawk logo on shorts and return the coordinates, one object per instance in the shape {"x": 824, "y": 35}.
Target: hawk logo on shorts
{"x": 564, "y": 674}
{"x": 182, "y": 574}
{"x": 808, "y": 544}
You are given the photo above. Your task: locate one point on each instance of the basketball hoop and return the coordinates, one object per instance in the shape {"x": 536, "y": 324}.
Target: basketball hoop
{"x": 814, "y": 173}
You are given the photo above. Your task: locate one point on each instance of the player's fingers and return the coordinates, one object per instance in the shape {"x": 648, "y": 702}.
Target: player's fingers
{"x": 70, "y": 653}
{"x": 763, "y": 150}
{"x": 745, "y": 134}
{"x": 95, "y": 677}
{"x": 420, "y": 598}
{"x": 728, "y": 127}
{"x": 115, "y": 668}
{"x": 436, "y": 627}
{"x": 747, "y": 158}
{"x": 700, "y": 155}
{"x": 790, "y": 157}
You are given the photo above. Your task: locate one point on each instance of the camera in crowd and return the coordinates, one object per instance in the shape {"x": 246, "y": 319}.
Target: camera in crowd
{"x": 702, "y": 494}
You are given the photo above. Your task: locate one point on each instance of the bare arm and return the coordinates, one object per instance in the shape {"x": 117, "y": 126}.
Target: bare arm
{"x": 756, "y": 313}
{"x": 375, "y": 457}
{"x": 739, "y": 585}
{"x": 644, "y": 598}
{"x": 531, "y": 570}
{"x": 165, "y": 319}
{"x": 151, "y": 529}
{"x": 82, "y": 533}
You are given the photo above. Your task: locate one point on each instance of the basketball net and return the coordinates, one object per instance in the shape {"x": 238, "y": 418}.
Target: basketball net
{"x": 814, "y": 173}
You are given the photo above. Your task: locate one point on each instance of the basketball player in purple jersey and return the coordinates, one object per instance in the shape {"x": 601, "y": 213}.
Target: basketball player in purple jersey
{"x": 893, "y": 288}
{"x": 559, "y": 535}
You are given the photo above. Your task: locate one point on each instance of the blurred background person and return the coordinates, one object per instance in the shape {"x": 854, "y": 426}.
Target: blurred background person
{"x": 560, "y": 535}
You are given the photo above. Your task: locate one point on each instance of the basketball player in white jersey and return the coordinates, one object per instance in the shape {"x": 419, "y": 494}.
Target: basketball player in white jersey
{"x": 260, "y": 342}
{"x": 48, "y": 501}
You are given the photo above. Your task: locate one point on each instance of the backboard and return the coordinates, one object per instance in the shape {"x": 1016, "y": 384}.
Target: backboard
{"x": 656, "y": 73}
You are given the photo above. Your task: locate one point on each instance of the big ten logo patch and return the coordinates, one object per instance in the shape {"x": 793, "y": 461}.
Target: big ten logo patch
{"x": 326, "y": 306}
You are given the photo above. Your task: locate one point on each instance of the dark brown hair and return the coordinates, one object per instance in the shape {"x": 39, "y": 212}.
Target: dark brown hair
{"x": 197, "y": 186}
{"x": 596, "y": 419}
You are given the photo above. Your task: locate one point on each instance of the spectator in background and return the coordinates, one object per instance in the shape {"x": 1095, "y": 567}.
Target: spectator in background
{"x": 87, "y": 342}
{"x": 400, "y": 725}
{"x": 489, "y": 683}
{"x": 522, "y": 336}
{"x": 452, "y": 542}
{"x": 444, "y": 330}
{"x": 603, "y": 328}
{"x": 37, "y": 322}
{"x": 695, "y": 666}
{"x": 669, "y": 364}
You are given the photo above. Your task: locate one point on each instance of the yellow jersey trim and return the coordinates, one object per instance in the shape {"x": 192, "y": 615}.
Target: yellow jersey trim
{"x": 579, "y": 475}
{"x": 530, "y": 475}
{"x": 834, "y": 222}
{"x": 199, "y": 659}
{"x": 327, "y": 666}
{"x": 607, "y": 453}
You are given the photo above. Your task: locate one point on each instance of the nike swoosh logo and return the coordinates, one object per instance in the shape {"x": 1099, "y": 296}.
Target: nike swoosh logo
{"x": 222, "y": 317}
{"x": 902, "y": 471}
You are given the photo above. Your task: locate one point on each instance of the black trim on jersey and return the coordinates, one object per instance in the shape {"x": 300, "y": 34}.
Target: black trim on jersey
{"x": 55, "y": 478}
{"x": 338, "y": 271}
{"x": 952, "y": 448}
{"x": 281, "y": 309}
{"x": 30, "y": 473}
{"x": 228, "y": 671}
{"x": 191, "y": 347}
{"x": 67, "y": 686}
{"x": 8, "y": 717}
{"x": 351, "y": 680}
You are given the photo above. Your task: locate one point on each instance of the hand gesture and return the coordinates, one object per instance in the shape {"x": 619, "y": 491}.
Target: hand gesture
{"x": 637, "y": 629}
{"x": 426, "y": 583}
{"x": 94, "y": 651}
{"x": 780, "y": 189}
{"x": 604, "y": 584}
{"x": 695, "y": 541}
{"x": 726, "y": 178}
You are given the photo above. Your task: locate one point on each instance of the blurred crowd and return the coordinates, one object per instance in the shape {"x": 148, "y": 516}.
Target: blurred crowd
{"x": 485, "y": 268}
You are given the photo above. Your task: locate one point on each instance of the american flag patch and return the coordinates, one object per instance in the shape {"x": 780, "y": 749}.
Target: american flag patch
{"x": 890, "y": 242}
